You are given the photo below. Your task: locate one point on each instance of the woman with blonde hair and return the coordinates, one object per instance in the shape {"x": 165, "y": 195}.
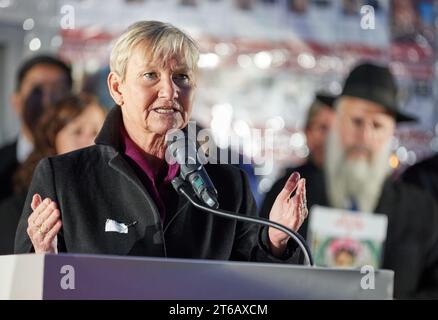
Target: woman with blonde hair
{"x": 117, "y": 195}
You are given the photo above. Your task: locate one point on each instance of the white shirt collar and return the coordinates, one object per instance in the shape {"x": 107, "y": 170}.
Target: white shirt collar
{"x": 24, "y": 148}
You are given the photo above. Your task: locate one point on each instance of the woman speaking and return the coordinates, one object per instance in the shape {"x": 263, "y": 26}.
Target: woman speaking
{"x": 116, "y": 197}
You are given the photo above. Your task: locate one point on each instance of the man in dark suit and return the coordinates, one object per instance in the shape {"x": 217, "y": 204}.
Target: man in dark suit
{"x": 40, "y": 80}
{"x": 356, "y": 176}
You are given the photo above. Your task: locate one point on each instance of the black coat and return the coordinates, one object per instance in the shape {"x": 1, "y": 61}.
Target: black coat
{"x": 10, "y": 212}
{"x": 411, "y": 248}
{"x": 97, "y": 183}
{"x": 424, "y": 174}
{"x": 8, "y": 166}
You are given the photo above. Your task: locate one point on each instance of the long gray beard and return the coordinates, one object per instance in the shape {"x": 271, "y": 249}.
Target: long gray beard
{"x": 354, "y": 179}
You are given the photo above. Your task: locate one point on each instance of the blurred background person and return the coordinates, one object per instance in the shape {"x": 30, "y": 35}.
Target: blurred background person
{"x": 95, "y": 84}
{"x": 319, "y": 120}
{"x": 413, "y": 21}
{"x": 356, "y": 176}
{"x": 70, "y": 124}
{"x": 405, "y": 21}
{"x": 41, "y": 80}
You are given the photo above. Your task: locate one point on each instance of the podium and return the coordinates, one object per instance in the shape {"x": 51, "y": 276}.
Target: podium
{"x": 77, "y": 276}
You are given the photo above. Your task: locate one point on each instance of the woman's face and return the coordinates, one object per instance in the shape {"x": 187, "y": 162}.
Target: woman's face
{"x": 80, "y": 132}
{"x": 156, "y": 98}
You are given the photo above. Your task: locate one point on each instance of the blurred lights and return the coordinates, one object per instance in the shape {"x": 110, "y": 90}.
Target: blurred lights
{"x": 402, "y": 154}
{"x": 224, "y": 110}
{"x": 263, "y": 60}
{"x": 306, "y": 60}
{"x": 35, "y": 44}
{"x": 56, "y": 41}
{"x": 434, "y": 144}
{"x": 221, "y": 122}
{"x": 336, "y": 63}
{"x": 223, "y": 49}
{"x": 329, "y": 62}
{"x": 244, "y": 61}
{"x": 335, "y": 88}
{"x": 412, "y": 158}
{"x": 297, "y": 140}
{"x": 241, "y": 128}
{"x": 28, "y": 24}
{"x": 276, "y": 123}
{"x": 279, "y": 58}
{"x": 393, "y": 161}
{"x": 208, "y": 60}
{"x": 398, "y": 68}
{"x": 264, "y": 185}
{"x": 302, "y": 152}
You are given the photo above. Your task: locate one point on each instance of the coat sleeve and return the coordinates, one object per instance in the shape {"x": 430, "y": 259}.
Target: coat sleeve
{"x": 428, "y": 287}
{"x": 43, "y": 183}
{"x": 251, "y": 242}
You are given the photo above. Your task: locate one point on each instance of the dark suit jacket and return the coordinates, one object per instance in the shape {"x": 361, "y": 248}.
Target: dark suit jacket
{"x": 424, "y": 174}
{"x": 94, "y": 184}
{"x": 411, "y": 247}
{"x": 8, "y": 165}
{"x": 10, "y": 212}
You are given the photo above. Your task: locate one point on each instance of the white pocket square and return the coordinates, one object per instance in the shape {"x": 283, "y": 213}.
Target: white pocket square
{"x": 114, "y": 226}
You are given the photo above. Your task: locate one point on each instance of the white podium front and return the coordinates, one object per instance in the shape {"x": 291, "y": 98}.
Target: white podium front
{"x": 74, "y": 276}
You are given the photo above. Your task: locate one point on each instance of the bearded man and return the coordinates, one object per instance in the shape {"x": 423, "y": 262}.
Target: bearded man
{"x": 357, "y": 176}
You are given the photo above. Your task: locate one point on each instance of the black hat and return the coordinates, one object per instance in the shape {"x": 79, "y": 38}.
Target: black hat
{"x": 326, "y": 99}
{"x": 375, "y": 83}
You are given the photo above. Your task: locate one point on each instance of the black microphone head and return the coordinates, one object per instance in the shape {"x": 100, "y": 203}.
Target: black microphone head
{"x": 183, "y": 151}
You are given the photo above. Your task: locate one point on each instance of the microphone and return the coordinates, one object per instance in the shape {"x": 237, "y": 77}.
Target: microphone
{"x": 194, "y": 180}
{"x": 184, "y": 152}
{"x": 182, "y": 188}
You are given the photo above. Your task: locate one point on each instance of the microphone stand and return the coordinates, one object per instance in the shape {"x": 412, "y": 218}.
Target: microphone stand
{"x": 183, "y": 188}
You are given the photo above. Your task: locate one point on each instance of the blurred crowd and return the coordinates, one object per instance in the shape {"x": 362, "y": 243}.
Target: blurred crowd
{"x": 53, "y": 120}
{"x": 350, "y": 146}
{"x": 348, "y": 167}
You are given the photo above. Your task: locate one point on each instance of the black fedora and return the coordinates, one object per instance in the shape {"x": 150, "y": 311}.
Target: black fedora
{"x": 326, "y": 99}
{"x": 375, "y": 83}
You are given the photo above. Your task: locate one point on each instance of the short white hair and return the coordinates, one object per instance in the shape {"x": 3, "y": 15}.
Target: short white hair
{"x": 163, "y": 41}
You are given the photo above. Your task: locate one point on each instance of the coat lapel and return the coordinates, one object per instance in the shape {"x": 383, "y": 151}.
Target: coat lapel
{"x": 109, "y": 136}
{"x": 121, "y": 166}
